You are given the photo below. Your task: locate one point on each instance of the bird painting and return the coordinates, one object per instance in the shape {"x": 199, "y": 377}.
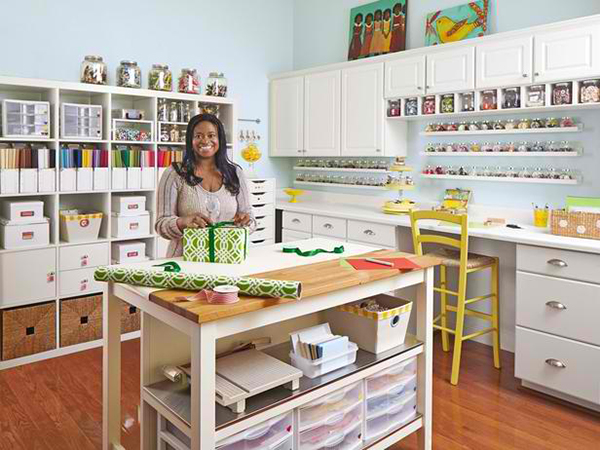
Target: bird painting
{"x": 458, "y": 23}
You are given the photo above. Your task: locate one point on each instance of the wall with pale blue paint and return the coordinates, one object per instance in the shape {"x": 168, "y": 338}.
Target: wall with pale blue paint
{"x": 245, "y": 40}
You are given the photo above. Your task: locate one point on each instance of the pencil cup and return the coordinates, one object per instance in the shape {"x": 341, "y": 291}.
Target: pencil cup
{"x": 540, "y": 217}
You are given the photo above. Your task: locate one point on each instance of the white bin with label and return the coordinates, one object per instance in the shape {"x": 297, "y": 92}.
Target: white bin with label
{"x": 80, "y": 226}
{"x": 130, "y": 226}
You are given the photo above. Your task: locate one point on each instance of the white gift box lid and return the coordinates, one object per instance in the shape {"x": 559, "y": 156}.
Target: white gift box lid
{"x": 23, "y": 211}
{"x": 128, "y": 204}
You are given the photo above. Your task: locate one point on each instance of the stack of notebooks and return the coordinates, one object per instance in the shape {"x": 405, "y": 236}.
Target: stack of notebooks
{"x": 77, "y": 156}
{"x": 168, "y": 155}
{"x": 26, "y": 156}
{"x": 132, "y": 156}
{"x": 313, "y": 347}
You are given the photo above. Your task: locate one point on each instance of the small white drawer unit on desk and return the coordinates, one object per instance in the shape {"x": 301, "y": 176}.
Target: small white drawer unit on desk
{"x": 558, "y": 337}
{"x": 262, "y": 200}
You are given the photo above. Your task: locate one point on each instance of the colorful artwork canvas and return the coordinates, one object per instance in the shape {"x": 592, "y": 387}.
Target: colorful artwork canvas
{"x": 457, "y": 23}
{"x": 377, "y": 28}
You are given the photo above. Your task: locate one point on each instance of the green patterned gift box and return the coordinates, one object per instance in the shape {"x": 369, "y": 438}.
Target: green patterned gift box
{"x": 220, "y": 243}
{"x": 258, "y": 287}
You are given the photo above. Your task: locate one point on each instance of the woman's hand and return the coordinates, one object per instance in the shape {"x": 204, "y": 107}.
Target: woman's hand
{"x": 242, "y": 220}
{"x": 193, "y": 221}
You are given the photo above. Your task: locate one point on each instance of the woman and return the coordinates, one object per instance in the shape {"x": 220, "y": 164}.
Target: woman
{"x": 205, "y": 188}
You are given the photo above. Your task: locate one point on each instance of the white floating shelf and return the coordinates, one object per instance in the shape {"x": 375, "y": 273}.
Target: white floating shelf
{"x": 501, "y": 179}
{"x": 83, "y": 141}
{"x": 503, "y": 154}
{"x": 30, "y": 194}
{"x": 333, "y": 169}
{"x": 576, "y": 129}
{"x": 173, "y": 123}
{"x": 348, "y": 186}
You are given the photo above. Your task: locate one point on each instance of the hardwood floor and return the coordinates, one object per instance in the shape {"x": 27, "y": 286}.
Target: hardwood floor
{"x": 56, "y": 404}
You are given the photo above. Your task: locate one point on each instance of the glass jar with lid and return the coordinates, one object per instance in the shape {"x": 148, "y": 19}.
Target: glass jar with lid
{"x": 467, "y": 101}
{"x": 524, "y": 124}
{"x": 489, "y": 100}
{"x": 429, "y": 105}
{"x": 93, "y": 70}
{"x": 565, "y": 146}
{"x": 411, "y": 107}
{"x": 216, "y": 85}
{"x": 562, "y": 93}
{"x": 524, "y": 173}
{"x": 188, "y": 82}
{"x": 129, "y": 75}
{"x": 447, "y": 103}
{"x": 536, "y": 96}
{"x": 553, "y": 146}
{"x": 512, "y": 98}
{"x": 589, "y": 91}
{"x": 160, "y": 78}
{"x": 524, "y": 147}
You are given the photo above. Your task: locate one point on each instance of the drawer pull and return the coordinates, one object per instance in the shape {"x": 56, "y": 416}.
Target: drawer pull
{"x": 369, "y": 232}
{"x": 328, "y": 226}
{"x": 295, "y": 220}
{"x": 557, "y": 262}
{"x": 556, "y": 305}
{"x": 556, "y": 363}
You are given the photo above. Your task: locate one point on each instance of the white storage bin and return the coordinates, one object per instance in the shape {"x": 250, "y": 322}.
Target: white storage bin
{"x": 82, "y": 256}
{"x": 19, "y": 235}
{"x": 119, "y": 178}
{"x": 85, "y": 179}
{"x": 316, "y": 368}
{"x": 269, "y": 435}
{"x": 385, "y": 380}
{"x": 134, "y": 178}
{"x": 100, "y": 179}
{"x": 81, "y": 121}
{"x": 388, "y": 397}
{"x": 130, "y": 226}
{"x": 79, "y": 226}
{"x": 128, "y": 205}
{"x": 128, "y": 252}
{"x": 397, "y": 415}
{"x": 28, "y": 181}
{"x": 9, "y": 181}
{"x": 23, "y": 211}
{"x": 68, "y": 180}
{"x": 374, "y": 332}
{"x": 148, "y": 177}
{"x": 46, "y": 180}
{"x": 331, "y": 434}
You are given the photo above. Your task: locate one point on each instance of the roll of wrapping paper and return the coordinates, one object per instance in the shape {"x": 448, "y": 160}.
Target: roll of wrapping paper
{"x": 257, "y": 287}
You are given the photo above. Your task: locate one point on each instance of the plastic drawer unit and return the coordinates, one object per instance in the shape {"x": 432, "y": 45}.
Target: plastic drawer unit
{"x": 339, "y": 431}
{"x": 274, "y": 434}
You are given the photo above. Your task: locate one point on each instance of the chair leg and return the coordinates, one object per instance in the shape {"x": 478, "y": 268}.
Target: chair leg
{"x": 460, "y": 324}
{"x": 496, "y": 313}
{"x": 443, "y": 300}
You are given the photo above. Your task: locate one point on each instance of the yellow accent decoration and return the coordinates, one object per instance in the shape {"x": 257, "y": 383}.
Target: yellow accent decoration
{"x": 355, "y": 309}
{"x": 73, "y": 217}
{"x": 293, "y": 193}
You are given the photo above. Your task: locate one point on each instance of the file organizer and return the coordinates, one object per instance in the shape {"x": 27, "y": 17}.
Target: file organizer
{"x": 80, "y": 121}
{"x": 25, "y": 119}
{"x": 83, "y": 168}
{"x": 133, "y": 168}
{"x": 26, "y": 168}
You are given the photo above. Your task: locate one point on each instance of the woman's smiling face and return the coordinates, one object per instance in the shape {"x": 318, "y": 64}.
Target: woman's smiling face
{"x": 205, "y": 140}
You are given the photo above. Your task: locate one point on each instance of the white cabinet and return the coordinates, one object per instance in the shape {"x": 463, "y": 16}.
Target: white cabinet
{"x": 567, "y": 53}
{"x": 286, "y": 123}
{"x": 322, "y": 114}
{"x": 451, "y": 70}
{"x": 22, "y": 281}
{"x": 405, "y": 77}
{"x": 262, "y": 199}
{"x": 291, "y": 236}
{"x": 362, "y": 111}
{"x": 505, "y": 63}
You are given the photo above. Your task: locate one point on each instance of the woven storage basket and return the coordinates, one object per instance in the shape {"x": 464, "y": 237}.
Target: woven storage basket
{"x": 575, "y": 224}
{"x": 80, "y": 320}
{"x": 130, "y": 318}
{"x": 28, "y": 330}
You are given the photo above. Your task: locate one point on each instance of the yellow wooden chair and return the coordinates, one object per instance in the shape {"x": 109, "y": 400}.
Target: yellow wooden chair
{"x": 466, "y": 263}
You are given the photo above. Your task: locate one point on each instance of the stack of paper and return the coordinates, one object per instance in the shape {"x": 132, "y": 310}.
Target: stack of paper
{"x": 318, "y": 342}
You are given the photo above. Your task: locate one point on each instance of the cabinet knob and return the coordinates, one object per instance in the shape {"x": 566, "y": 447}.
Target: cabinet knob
{"x": 328, "y": 226}
{"x": 369, "y": 232}
{"x": 557, "y": 262}
{"x": 295, "y": 220}
{"x": 428, "y": 87}
{"x": 419, "y": 88}
{"x": 537, "y": 74}
{"x": 378, "y": 150}
{"x": 524, "y": 75}
{"x": 556, "y": 305}
{"x": 556, "y": 363}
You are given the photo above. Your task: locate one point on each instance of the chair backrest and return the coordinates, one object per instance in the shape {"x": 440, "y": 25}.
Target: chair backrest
{"x": 457, "y": 219}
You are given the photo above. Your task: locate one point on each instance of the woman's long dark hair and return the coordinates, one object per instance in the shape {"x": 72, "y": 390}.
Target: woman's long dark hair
{"x": 228, "y": 170}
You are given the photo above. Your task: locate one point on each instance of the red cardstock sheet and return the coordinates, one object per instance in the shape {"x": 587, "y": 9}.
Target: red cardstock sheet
{"x": 399, "y": 264}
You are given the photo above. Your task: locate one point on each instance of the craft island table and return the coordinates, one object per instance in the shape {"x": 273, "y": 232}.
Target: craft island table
{"x": 175, "y": 332}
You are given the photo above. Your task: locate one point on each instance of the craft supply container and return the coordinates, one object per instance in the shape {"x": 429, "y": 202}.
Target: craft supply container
{"x": 411, "y": 107}
{"x": 467, "y": 101}
{"x": 428, "y": 106}
{"x": 79, "y": 226}
{"x": 562, "y": 93}
{"x": 128, "y": 252}
{"x": 447, "y": 103}
{"x": 316, "y": 368}
{"x": 25, "y": 118}
{"x": 489, "y": 100}
{"x": 511, "y": 98}
{"x": 189, "y": 82}
{"x": 129, "y": 75}
{"x": 160, "y": 78}
{"x": 93, "y": 70}
{"x": 216, "y": 85}
{"x": 536, "y": 96}
{"x": 589, "y": 91}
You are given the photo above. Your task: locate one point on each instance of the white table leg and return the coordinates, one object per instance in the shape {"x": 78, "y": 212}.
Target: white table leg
{"x": 425, "y": 360}
{"x": 111, "y": 371}
{"x": 203, "y": 386}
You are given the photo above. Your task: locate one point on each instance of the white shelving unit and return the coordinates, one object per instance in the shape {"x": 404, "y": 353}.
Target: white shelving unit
{"x": 504, "y": 154}
{"x": 576, "y": 129}
{"x": 333, "y": 169}
{"x": 109, "y": 97}
{"x": 501, "y": 179}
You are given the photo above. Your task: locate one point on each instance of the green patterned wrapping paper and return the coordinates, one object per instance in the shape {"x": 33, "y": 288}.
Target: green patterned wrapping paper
{"x": 221, "y": 243}
{"x": 195, "y": 282}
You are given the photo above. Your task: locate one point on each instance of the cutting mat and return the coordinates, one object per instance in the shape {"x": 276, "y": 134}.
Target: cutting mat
{"x": 319, "y": 278}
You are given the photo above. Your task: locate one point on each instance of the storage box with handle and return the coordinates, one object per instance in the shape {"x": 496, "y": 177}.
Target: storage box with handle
{"x": 20, "y": 235}
{"x": 130, "y": 318}
{"x": 373, "y": 331}
{"x": 79, "y": 226}
{"x": 575, "y": 224}
{"x": 80, "y": 320}
{"x": 220, "y": 243}
{"x": 28, "y": 330}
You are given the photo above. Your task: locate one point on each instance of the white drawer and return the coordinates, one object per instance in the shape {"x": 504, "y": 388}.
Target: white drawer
{"x": 290, "y": 236}
{"x": 262, "y": 242}
{"x": 297, "y": 221}
{"x": 261, "y": 185}
{"x": 535, "y": 352}
{"x": 263, "y": 210}
{"x": 372, "y": 233}
{"x": 260, "y": 235}
{"x": 80, "y": 281}
{"x": 266, "y": 435}
{"x": 265, "y": 222}
{"x": 329, "y": 226}
{"x": 79, "y": 256}
{"x": 262, "y": 198}
{"x": 563, "y": 307}
{"x": 560, "y": 263}
{"x": 38, "y": 282}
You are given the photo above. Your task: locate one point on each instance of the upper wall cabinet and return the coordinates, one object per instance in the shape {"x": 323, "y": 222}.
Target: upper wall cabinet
{"x": 452, "y": 70}
{"x": 567, "y": 53}
{"x": 286, "y": 131}
{"x": 405, "y": 77}
{"x": 362, "y": 110}
{"x": 322, "y": 106}
{"x": 505, "y": 63}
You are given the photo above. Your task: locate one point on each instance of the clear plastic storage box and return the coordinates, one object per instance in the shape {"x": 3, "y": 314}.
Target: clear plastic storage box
{"x": 274, "y": 434}
{"x": 25, "y": 118}
{"x": 316, "y": 368}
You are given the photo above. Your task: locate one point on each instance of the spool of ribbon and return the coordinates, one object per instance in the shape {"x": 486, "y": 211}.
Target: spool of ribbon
{"x": 314, "y": 252}
{"x": 220, "y": 295}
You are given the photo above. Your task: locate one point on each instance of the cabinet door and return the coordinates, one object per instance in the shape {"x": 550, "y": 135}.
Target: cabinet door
{"x": 23, "y": 282}
{"x": 362, "y": 111}
{"x": 452, "y": 70}
{"x": 505, "y": 63}
{"x": 322, "y": 114}
{"x": 567, "y": 53}
{"x": 405, "y": 77}
{"x": 286, "y": 112}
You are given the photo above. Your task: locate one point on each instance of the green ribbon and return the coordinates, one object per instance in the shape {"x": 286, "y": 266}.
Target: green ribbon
{"x": 170, "y": 266}
{"x": 314, "y": 252}
{"x": 211, "y": 239}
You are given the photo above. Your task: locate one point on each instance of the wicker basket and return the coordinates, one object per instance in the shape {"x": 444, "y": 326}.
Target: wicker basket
{"x": 27, "y": 330}
{"x": 575, "y": 224}
{"x": 130, "y": 318}
{"x": 80, "y": 320}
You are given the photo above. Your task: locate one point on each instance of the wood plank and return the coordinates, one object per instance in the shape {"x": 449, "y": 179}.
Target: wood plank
{"x": 317, "y": 279}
